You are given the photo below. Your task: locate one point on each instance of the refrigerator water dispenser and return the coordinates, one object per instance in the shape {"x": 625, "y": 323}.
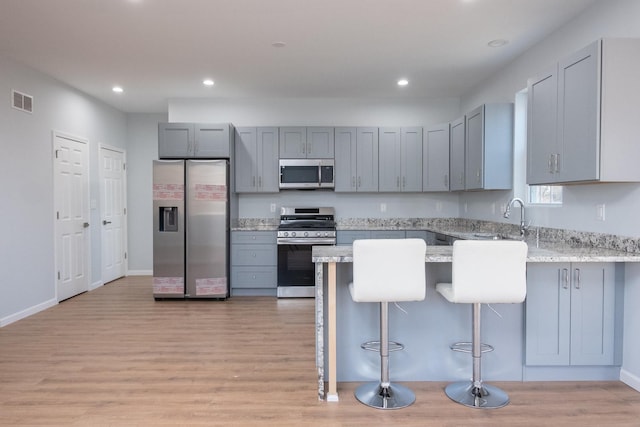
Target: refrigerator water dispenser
{"x": 168, "y": 218}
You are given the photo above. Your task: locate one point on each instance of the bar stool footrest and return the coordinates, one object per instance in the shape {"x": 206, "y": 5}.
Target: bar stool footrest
{"x": 465, "y": 347}
{"x": 375, "y": 346}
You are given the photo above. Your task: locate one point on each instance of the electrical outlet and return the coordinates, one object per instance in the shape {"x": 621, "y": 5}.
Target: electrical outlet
{"x": 272, "y": 207}
{"x": 383, "y": 207}
{"x": 600, "y": 212}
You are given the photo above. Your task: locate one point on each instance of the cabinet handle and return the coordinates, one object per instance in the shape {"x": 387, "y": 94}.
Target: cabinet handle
{"x": 309, "y": 148}
{"x": 359, "y": 182}
{"x": 353, "y": 181}
{"x": 404, "y": 182}
{"x": 253, "y": 181}
{"x": 304, "y": 148}
{"x": 557, "y": 162}
{"x": 577, "y": 278}
{"x": 478, "y": 176}
{"x": 260, "y": 182}
{"x": 550, "y": 163}
{"x": 397, "y": 182}
{"x": 565, "y": 278}
{"x": 461, "y": 178}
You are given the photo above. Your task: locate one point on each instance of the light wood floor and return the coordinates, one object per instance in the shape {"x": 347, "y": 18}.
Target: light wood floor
{"x": 114, "y": 356}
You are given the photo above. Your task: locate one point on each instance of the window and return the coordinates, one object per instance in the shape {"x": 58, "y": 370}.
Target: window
{"x": 536, "y": 194}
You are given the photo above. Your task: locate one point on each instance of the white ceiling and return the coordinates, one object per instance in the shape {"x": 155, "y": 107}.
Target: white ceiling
{"x": 162, "y": 49}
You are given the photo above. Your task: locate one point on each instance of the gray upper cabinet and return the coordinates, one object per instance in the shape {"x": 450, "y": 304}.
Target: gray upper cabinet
{"x": 256, "y": 160}
{"x": 194, "y": 140}
{"x": 356, "y": 163}
{"x": 581, "y": 116}
{"x": 306, "y": 142}
{"x": 435, "y": 158}
{"x": 489, "y": 147}
{"x": 457, "y": 154}
{"x": 400, "y": 156}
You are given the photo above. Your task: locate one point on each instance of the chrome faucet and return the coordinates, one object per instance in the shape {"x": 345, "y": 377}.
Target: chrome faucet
{"x": 507, "y": 212}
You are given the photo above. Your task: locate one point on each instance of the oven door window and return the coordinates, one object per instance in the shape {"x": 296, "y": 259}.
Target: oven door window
{"x": 295, "y": 267}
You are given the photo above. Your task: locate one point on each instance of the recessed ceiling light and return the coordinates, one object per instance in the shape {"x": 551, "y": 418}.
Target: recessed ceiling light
{"x": 117, "y": 89}
{"x": 207, "y": 82}
{"x": 403, "y": 82}
{"x": 497, "y": 43}
{"x": 278, "y": 44}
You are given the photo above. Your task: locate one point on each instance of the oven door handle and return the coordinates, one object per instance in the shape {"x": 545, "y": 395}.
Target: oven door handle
{"x": 305, "y": 241}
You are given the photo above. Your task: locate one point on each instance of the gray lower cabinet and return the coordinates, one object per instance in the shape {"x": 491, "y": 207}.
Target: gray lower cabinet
{"x": 571, "y": 314}
{"x": 194, "y": 140}
{"x": 256, "y": 160}
{"x": 254, "y": 261}
{"x": 346, "y": 237}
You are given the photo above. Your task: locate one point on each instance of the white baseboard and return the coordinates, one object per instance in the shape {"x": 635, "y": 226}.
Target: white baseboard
{"x": 27, "y": 312}
{"x": 140, "y": 273}
{"x": 630, "y": 379}
{"x": 95, "y": 285}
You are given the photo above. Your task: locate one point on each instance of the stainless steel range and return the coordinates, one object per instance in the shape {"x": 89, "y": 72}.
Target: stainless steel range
{"x": 299, "y": 230}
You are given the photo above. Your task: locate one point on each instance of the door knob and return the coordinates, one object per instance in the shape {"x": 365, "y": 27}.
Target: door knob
{"x": 85, "y": 225}
{"x": 105, "y": 222}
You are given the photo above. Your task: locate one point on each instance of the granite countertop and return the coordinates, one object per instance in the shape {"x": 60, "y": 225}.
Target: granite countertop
{"x": 557, "y": 253}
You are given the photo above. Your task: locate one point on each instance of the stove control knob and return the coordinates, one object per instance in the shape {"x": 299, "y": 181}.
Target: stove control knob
{"x": 326, "y": 234}
{"x": 306, "y": 234}
{"x": 293, "y": 234}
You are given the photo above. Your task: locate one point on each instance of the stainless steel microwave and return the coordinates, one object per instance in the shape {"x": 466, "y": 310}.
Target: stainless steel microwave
{"x": 306, "y": 174}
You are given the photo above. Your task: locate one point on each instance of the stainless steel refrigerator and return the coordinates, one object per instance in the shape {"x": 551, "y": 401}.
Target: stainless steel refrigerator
{"x": 190, "y": 229}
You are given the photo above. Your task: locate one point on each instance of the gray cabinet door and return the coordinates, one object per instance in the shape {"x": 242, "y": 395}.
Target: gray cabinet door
{"x": 246, "y": 160}
{"x": 435, "y": 158}
{"x": 367, "y": 159}
{"x": 457, "y": 154}
{"x": 547, "y": 314}
{"x": 411, "y": 158}
{"x": 256, "y": 160}
{"x": 542, "y": 119}
{"x": 175, "y": 140}
{"x": 570, "y": 314}
{"x": 212, "y": 141}
{"x": 320, "y": 143}
{"x": 389, "y": 152}
{"x": 267, "y": 139}
{"x": 345, "y": 161}
{"x": 293, "y": 142}
{"x": 592, "y": 313}
{"x": 474, "y": 149}
{"x": 578, "y": 116}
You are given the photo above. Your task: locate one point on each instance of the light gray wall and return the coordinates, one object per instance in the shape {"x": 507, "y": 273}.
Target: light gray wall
{"x": 142, "y": 148}
{"x": 330, "y": 112}
{"x": 608, "y": 18}
{"x": 27, "y": 271}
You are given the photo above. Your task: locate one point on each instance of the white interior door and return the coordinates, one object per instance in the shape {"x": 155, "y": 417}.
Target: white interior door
{"x": 113, "y": 212}
{"x": 71, "y": 193}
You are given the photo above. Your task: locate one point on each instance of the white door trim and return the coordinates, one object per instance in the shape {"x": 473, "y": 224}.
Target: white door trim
{"x": 102, "y": 146}
{"x": 54, "y": 135}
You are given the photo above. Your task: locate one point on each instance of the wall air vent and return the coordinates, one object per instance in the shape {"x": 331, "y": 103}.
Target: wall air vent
{"x": 22, "y": 101}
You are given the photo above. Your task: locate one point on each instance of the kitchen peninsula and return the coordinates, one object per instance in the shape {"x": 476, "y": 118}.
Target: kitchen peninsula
{"x": 524, "y": 335}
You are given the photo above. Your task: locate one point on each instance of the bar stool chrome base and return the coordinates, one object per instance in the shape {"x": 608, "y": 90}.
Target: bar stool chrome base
{"x": 484, "y": 397}
{"x": 395, "y": 396}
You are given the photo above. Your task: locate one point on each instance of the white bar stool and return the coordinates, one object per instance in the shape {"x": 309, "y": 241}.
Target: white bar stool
{"x": 484, "y": 272}
{"x": 387, "y": 270}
